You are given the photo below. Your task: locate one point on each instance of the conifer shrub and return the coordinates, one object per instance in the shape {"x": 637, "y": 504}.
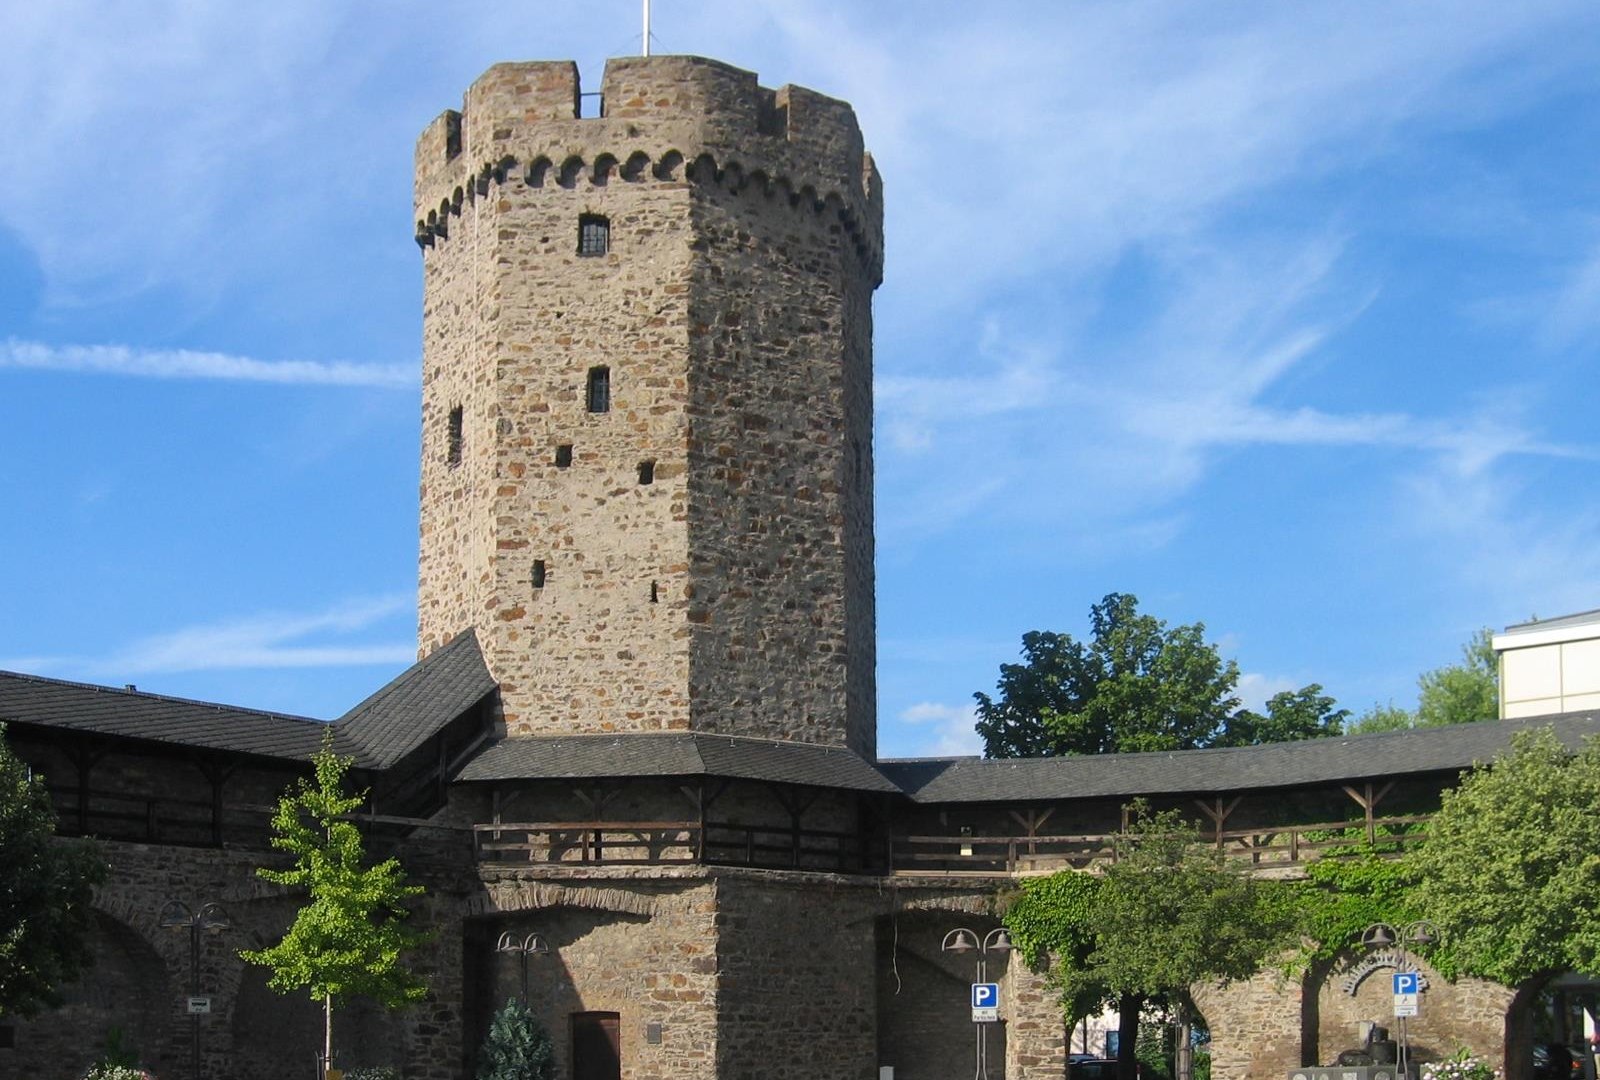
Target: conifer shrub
{"x": 517, "y": 1047}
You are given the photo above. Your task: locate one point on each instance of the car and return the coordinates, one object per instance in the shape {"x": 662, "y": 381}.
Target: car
{"x": 1557, "y": 1061}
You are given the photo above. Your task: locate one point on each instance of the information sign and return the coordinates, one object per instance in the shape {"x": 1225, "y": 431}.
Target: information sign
{"x": 985, "y": 1003}
{"x": 199, "y": 1006}
{"x": 1406, "y": 1004}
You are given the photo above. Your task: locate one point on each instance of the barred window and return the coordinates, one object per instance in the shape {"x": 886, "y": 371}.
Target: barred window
{"x": 600, "y": 389}
{"x": 594, "y": 234}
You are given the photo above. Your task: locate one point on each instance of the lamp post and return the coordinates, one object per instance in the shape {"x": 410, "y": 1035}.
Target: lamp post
{"x": 532, "y": 945}
{"x": 1383, "y": 936}
{"x": 176, "y": 915}
{"x": 961, "y": 940}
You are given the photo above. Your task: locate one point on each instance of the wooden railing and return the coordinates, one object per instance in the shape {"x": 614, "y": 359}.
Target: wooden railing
{"x": 186, "y": 822}
{"x": 665, "y": 843}
{"x": 1264, "y": 848}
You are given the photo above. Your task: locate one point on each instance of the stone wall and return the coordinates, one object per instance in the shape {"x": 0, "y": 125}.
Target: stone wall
{"x": 732, "y": 592}
{"x": 1468, "y": 1012}
{"x": 642, "y": 944}
{"x": 795, "y": 956}
{"x": 1256, "y": 1027}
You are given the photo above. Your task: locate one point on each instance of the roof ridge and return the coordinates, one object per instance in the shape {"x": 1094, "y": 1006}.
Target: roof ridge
{"x": 101, "y": 688}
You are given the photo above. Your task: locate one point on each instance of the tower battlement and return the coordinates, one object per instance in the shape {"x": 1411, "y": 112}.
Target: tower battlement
{"x": 524, "y": 121}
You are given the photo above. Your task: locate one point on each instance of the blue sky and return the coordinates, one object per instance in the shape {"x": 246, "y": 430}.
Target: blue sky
{"x": 1283, "y": 317}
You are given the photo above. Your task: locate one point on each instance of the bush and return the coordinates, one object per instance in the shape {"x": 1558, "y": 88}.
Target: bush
{"x": 517, "y": 1047}
{"x": 108, "y": 1071}
{"x": 377, "y": 1072}
{"x": 1461, "y": 1065}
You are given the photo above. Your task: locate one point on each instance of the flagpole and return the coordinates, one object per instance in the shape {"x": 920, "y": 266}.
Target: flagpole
{"x": 646, "y": 27}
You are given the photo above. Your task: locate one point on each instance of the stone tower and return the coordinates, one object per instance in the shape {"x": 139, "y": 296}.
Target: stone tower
{"x": 647, "y": 400}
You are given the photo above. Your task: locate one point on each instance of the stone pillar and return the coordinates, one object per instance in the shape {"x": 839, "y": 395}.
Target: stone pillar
{"x": 1036, "y": 1030}
{"x": 1255, "y": 1026}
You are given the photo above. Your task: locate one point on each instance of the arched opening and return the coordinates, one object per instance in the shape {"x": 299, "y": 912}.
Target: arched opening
{"x": 1551, "y": 1027}
{"x": 924, "y": 1009}
{"x": 123, "y": 1002}
{"x": 584, "y": 961}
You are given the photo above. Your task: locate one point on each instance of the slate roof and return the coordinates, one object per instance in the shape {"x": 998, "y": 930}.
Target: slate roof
{"x": 1185, "y": 772}
{"x": 678, "y": 753}
{"x": 101, "y": 710}
{"x": 377, "y": 733}
{"x": 418, "y": 702}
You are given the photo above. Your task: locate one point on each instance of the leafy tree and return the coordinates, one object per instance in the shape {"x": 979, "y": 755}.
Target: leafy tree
{"x": 1465, "y": 692}
{"x": 1306, "y": 713}
{"x": 1388, "y": 717}
{"x": 1137, "y": 684}
{"x": 517, "y": 1047}
{"x": 1173, "y": 912}
{"x": 46, "y": 887}
{"x": 1454, "y": 694}
{"x": 347, "y": 938}
{"x": 1169, "y": 913}
{"x": 1510, "y": 872}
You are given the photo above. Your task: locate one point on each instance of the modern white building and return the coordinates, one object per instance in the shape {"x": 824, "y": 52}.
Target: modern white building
{"x": 1550, "y": 666}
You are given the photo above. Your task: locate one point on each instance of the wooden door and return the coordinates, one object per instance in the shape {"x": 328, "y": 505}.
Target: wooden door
{"x": 596, "y": 1046}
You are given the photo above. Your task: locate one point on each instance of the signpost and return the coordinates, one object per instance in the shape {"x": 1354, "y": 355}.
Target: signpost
{"x": 985, "y": 1003}
{"x": 199, "y": 1006}
{"x": 1407, "y": 1002}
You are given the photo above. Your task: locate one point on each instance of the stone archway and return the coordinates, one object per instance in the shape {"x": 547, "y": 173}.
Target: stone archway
{"x": 1545, "y": 1025}
{"x": 124, "y": 999}
{"x": 924, "y": 1016}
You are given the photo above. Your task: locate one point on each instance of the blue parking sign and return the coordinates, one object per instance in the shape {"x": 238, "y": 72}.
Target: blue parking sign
{"x": 985, "y": 995}
{"x": 1407, "y": 982}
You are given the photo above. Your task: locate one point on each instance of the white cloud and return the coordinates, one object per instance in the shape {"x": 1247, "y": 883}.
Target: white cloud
{"x": 189, "y": 364}
{"x": 274, "y": 640}
{"x": 1116, "y": 427}
{"x": 950, "y": 729}
{"x": 1255, "y": 689}
{"x": 1574, "y": 314}
{"x": 1510, "y": 552}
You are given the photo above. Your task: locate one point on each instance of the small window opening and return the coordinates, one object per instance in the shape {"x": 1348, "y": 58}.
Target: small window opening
{"x": 600, "y": 389}
{"x": 453, "y": 437}
{"x": 647, "y": 472}
{"x": 538, "y": 573}
{"x": 8, "y": 1037}
{"x": 594, "y": 234}
{"x": 655, "y": 593}
{"x": 563, "y": 455}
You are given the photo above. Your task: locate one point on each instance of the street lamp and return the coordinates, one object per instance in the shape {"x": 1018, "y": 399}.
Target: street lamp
{"x": 1383, "y": 936}
{"x": 533, "y": 944}
{"x": 961, "y": 940}
{"x": 176, "y": 915}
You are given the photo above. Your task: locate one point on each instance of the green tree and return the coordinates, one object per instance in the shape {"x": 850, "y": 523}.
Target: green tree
{"x": 46, "y": 888}
{"x": 348, "y": 936}
{"x": 1137, "y": 684}
{"x": 1510, "y": 871}
{"x": 1388, "y": 717}
{"x": 1465, "y": 692}
{"x": 1454, "y": 694}
{"x": 1171, "y": 912}
{"x": 517, "y": 1047}
{"x": 1306, "y": 713}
